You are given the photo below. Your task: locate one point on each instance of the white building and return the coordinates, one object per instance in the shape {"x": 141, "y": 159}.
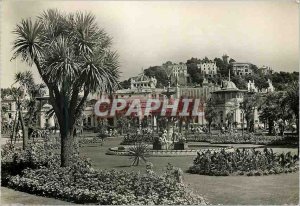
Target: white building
{"x": 266, "y": 70}
{"x": 208, "y": 68}
{"x": 241, "y": 69}
{"x": 143, "y": 82}
{"x": 229, "y": 99}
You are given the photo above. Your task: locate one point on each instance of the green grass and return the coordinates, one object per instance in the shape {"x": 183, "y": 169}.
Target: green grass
{"x": 274, "y": 189}
{"x": 12, "y": 197}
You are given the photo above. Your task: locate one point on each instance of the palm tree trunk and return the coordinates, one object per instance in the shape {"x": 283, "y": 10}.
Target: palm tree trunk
{"x": 67, "y": 146}
{"x": 17, "y": 130}
{"x": 24, "y": 130}
{"x": 14, "y": 128}
{"x": 297, "y": 125}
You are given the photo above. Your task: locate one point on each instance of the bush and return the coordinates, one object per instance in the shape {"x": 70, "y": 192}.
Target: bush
{"x": 238, "y": 138}
{"x": 131, "y": 139}
{"x": 80, "y": 183}
{"x": 247, "y": 161}
{"x": 103, "y": 187}
{"x": 95, "y": 140}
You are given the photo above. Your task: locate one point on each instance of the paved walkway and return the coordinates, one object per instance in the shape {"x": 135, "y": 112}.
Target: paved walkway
{"x": 12, "y": 197}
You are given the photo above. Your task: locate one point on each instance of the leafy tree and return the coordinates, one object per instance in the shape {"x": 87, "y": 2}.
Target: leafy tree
{"x": 223, "y": 67}
{"x": 230, "y": 118}
{"x": 211, "y": 112}
{"x": 194, "y": 71}
{"x": 260, "y": 80}
{"x": 281, "y": 80}
{"x": 239, "y": 81}
{"x": 269, "y": 111}
{"x": 250, "y": 101}
{"x": 284, "y": 110}
{"x": 16, "y": 94}
{"x": 125, "y": 84}
{"x": 254, "y": 68}
{"x": 159, "y": 73}
{"x": 292, "y": 100}
{"x": 231, "y": 61}
{"x": 73, "y": 57}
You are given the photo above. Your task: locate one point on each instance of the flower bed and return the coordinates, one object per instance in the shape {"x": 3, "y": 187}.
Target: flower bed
{"x": 238, "y": 138}
{"x": 243, "y": 162}
{"x": 95, "y": 140}
{"x": 80, "y": 183}
{"x": 131, "y": 139}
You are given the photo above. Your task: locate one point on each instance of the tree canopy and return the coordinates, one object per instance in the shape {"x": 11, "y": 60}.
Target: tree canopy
{"x": 73, "y": 57}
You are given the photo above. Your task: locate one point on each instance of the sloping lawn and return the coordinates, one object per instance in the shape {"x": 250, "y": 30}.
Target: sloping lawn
{"x": 273, "y": 189}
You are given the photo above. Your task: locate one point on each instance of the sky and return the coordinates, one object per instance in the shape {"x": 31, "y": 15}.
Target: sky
{"x": 149, "y": 33}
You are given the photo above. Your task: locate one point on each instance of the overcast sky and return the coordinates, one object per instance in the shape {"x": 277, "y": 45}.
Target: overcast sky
{"x": 150, "y": 33}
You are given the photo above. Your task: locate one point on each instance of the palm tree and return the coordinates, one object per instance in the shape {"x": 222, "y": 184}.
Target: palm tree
{"x": 138, "y": 152}
{"x": 73, "y": 57}
{"x": 26, "y": 81}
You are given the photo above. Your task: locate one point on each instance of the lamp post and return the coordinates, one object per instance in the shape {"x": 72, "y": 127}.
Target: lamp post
{"x": 168, "y": 94}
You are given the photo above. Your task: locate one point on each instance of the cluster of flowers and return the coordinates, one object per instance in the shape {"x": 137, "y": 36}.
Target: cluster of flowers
{"x": 238, "y": 138}
{"x": 80, "y": 183}
{"x": 244, "y": 162}
{"x": 95, "y": 140}
{"x": 246, "y": 138}
{"x": 130, "y": 139}
{"x": 15, "y": 160}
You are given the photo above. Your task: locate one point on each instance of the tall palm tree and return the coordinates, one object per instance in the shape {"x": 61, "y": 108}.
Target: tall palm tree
{"x": 73, "y": 57}
{"x": 26, "y": 80}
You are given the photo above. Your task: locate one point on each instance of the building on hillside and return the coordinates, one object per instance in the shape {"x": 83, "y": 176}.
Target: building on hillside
{"x": 266, "y": 70}
{"x": 177, "y": 73}
{"x": 143, "y": 82}
{"x": 241, "y": 69}
{"x": 208, "y": 68}
{"x": 142, "y": 88}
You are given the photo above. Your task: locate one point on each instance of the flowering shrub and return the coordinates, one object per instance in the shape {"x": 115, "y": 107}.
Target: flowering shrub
{"x": 80, "y": 183}
{"x": 238, "y": 138}
{"x": 134, "y": 138}
{"x": 14, "y": 159}
{"x": 94, "y": 140}
{"x": 84, "y": 185}
{"x": 244, "y": 162}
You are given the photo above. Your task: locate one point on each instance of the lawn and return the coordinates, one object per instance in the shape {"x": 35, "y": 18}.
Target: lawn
{"x": 13, "y": 197}
{"x": 274, "y": 189}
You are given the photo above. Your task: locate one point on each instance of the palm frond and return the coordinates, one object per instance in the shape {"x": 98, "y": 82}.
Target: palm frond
{"x": 60, "y": 61}
{"x": 27, "y": 43}
{"x": 101, "y": 70}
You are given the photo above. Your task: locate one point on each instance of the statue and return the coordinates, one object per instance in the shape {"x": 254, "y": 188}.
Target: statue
{"x": 164, "y": 140}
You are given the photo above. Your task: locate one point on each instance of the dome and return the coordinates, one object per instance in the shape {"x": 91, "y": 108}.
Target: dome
{"x": 228, "y": 85}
